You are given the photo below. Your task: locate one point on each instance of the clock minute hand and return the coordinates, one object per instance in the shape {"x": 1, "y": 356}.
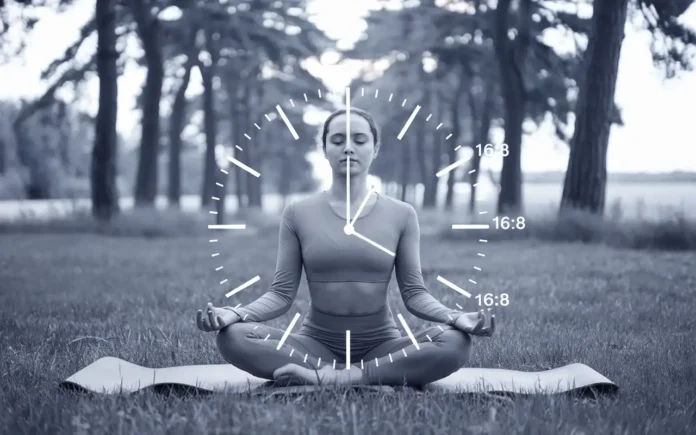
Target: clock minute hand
{"x": 376, "y": 245}
{"x": 348, "y": 191}
{"x": 348, "y": 136}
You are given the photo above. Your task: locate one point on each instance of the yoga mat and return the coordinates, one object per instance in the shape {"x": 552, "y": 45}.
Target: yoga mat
{"x": 113, "y": 376}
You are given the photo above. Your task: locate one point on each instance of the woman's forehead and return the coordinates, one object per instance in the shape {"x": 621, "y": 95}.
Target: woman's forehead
{"x": 357, "y": 124}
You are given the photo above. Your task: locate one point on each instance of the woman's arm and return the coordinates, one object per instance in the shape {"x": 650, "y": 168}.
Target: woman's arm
{"x": 279, "y": 297}
{"x": 409, "y": 276}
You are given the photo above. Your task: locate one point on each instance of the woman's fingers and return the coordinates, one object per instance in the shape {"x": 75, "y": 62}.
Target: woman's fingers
{"x": 489, "y": 330}
{"x": 199, "y": 319}
{"x": 213, "y": 319}
{"x": 481, "y": 322}
{"x": 206, "y": 323}
{"x": 211, "y": 316}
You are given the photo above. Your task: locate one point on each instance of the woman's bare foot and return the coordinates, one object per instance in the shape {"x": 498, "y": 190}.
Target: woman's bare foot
{"x": 294, "y": 374}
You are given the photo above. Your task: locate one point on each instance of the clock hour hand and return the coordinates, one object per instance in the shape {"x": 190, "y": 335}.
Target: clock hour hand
{"x": 362, "y": 206}
{"x": 376, "y": 245}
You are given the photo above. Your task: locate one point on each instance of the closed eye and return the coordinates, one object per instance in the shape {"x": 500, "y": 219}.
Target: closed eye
{"x": 338, "y": 138}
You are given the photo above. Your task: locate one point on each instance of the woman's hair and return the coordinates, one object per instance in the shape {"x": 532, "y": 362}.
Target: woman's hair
{"x": 353, "y": 110}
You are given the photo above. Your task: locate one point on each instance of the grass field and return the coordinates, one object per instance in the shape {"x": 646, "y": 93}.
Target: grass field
{"x": 68, "y": 299}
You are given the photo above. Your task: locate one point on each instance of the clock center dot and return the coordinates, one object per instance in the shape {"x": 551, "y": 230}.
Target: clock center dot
{"x": 348, "y": 229}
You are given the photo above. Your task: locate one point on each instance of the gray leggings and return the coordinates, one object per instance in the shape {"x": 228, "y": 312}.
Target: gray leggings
{"x": 396, "y": 361}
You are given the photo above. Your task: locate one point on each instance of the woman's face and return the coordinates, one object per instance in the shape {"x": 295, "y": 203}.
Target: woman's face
{"x": 360, "y": 146}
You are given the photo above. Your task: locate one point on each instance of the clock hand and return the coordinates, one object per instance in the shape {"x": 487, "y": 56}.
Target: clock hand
{"x": 362, "y": 206}
{"x": 373, "y": 243}
{"x": 348, "y": 159}
{"x": 348, "y": 191}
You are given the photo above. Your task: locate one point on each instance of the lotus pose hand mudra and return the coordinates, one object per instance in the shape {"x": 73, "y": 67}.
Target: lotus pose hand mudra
{"x": 348, "y": 263}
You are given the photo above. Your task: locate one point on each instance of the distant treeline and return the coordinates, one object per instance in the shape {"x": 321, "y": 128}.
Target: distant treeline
{"x": 621, "y": 177}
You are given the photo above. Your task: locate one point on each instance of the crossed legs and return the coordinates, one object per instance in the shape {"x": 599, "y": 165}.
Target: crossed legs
{"x": 442, "y": 351}
{"x": 252, "y": 347}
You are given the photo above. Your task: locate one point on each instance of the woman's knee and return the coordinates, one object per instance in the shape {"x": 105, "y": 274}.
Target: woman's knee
{"x": 230, "y": 340}
{"x": 458, "y": 345}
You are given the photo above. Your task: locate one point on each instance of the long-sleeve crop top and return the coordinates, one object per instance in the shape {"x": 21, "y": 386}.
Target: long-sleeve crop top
{"x": 347, "y": 275}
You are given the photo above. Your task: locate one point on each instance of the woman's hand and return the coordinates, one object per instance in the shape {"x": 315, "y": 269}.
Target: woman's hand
{"x": 476, "y": 323}
{"x": 215, "y": 319}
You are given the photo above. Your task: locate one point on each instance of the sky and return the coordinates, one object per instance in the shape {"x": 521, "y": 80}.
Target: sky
{"x": 656, "y": 112}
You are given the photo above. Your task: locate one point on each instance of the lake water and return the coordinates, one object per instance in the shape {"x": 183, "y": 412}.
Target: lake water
{"x": 657, "y": 199}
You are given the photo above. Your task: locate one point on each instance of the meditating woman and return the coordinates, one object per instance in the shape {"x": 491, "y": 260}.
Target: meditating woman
{"x": 348, "y": 263}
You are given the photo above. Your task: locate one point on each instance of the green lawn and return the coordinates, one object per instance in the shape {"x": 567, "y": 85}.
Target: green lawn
{"x": 67, "y": 300}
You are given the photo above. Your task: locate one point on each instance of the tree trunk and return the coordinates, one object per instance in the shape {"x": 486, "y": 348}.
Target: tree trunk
{"x": 146, "y": 183}
{"x": 482, "y": 126}
{"x": 248, "y": 146}
{"x": 232, "y": 90}
{"x": 255, "y": 156}
{"x": 176, "y": 127}
{"x": 4, "y": 150}
{"x": 431, "y": 181}
{"x": 103, "y": 172}
{"x": 585, "y": 181}
{"x": 240, "y": 179}
{"x": 284, "y": 179}
{"x": 511, "y": 56}
{"x": 221, "y": 177}
{"x": 405, "y": 167}
{"x": 431, "y": 136}
{"x": 421, "y": 152}
{"x": 456, "y": 134}
{"x": 210, "y": 169}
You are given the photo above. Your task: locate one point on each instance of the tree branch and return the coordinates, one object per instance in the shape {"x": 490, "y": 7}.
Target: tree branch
{"x": 73, "y": 75}
{"x": 85, "y": 32}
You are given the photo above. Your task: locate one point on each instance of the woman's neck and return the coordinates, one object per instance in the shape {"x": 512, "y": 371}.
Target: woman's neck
{"x": 358, "y": 187}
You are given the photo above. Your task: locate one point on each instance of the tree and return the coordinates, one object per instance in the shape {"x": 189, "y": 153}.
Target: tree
{"x": 511, "y": 54}
{"x": 209, "y": 74}
{"x": 148, "y": 29}
{"x": 585, "y": 180}
{"x": 177, "y": 123}
{"x": 461, "y": 36}
{"x": 481, "y": 101}
{"x": 103, "y": 172}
